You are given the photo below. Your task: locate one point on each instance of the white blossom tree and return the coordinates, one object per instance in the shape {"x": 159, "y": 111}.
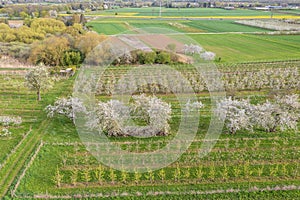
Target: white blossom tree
{"x": 65, "y": 106}
{"x": 155, "y": 111}
{"x": 196, "y": 105}
{"x": 208, "y": 55}
{"x": 266, "y": 115}
{"x": 192, "y": 49}
{"x": 114, "y": 117}
{"x": 283, "y": 113}
{"x": 6, "y": 122}
{"x": 38, "y": 79}
{"x": 5, "y": 132}
{"x": 238, "y": 114}
{"x": 125, "y": 58}
{"x": 110, "y": 117}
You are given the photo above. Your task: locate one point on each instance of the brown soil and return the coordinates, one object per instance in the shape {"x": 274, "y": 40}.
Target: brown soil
{"x": 161, "y": 42}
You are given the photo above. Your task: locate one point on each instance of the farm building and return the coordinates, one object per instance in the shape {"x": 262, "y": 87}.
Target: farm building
{"x": 67, "y": 72}
{"x": 15, "y": 23}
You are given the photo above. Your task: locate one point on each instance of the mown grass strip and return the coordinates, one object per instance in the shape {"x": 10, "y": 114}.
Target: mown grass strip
{"x": 14, "y": 149}
{"x": 26, "y": 168}
{"x": 17, "y": 160}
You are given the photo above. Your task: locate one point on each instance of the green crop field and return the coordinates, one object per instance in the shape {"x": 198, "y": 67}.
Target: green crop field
{"x": 230, "y": 47}
{"x": 184, "y": 12}
{"x": 243, "y": 165}
{"x": 246, "y": 47}
{"x": 230, "y": 152}
{"x": 113, "y": 26}
{"x": 222, "y": 26}
{"x": 295, "y": 11}
{"x": 108, "y": 28}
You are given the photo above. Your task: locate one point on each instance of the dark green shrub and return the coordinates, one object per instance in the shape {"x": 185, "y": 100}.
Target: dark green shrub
{"x": 163, "y": 58}
{"x": 146, "y": 57}
{"x": 72, "y": 58}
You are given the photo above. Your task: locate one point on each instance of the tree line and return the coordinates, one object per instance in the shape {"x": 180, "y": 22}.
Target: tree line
{"x": 51, "y": 42}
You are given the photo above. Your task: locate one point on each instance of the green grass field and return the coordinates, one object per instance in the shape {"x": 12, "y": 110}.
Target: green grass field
{"x": 108, "y": 28}
{"x": 295, "y": 11}
{"x": 230, "y": 151}
{"x": 247, "y": 47}
{"x": 184, "y": 12}
{"x": 244, "y": 165}
{"x": 230, "y": 47}
{"x": 216, "y": 26}
{"x": 113, "y": 26}
{"x": 15, "y": 100}
{"x": 247, "y": 162}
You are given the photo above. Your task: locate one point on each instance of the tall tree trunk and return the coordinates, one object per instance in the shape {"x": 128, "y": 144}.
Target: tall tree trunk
{"x": 38, "y": 93}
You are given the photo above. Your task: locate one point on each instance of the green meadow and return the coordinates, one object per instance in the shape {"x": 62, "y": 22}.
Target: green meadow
{"x": 183, "y": 12}
{"x": 248, "y": 47}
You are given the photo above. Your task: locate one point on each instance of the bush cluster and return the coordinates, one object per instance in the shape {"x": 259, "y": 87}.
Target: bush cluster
{"x": 147, "y": 57}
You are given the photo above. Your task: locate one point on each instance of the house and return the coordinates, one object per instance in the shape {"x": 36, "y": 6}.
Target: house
{"x": 261, "y": 8}
{"x": 229, "y": 8}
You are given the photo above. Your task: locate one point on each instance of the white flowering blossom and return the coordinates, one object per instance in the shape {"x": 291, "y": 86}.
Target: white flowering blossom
{"x": 110, "y": 117}
{"x": 114, "y": 117}
{"x": 289, "y": 102}
{"x": 238, "y": 114}
{"x": 125, "y": 58}
{"x": 190, "y": 106}
{"x": 65, "y": 106}
{"x": 157, "y": 112}
{"x": 266, "y": 115}
{"x": 5, "y": 132}
{"x": 271, "y": 24}
{"x": 243, "y": 78}
{"x": 196, "y": 49}
{"x": 38, "y": 79}
{"x": 192, "y": 49}
{"x": 208, "y": 55}
{"x": 283, "y": 113}
{"x": 8, "y": 121}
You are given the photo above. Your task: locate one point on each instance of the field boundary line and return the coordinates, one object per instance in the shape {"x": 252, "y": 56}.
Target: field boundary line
{"x": 195, "y": 165}
{"x": 170, "y": 182}
{"x": 165, "y": 193}
{"x": 120, "y": 16}
{"x": 16, "y": 147}
{"x": 13, "y": 192}
{"x": 277, "y": 138}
